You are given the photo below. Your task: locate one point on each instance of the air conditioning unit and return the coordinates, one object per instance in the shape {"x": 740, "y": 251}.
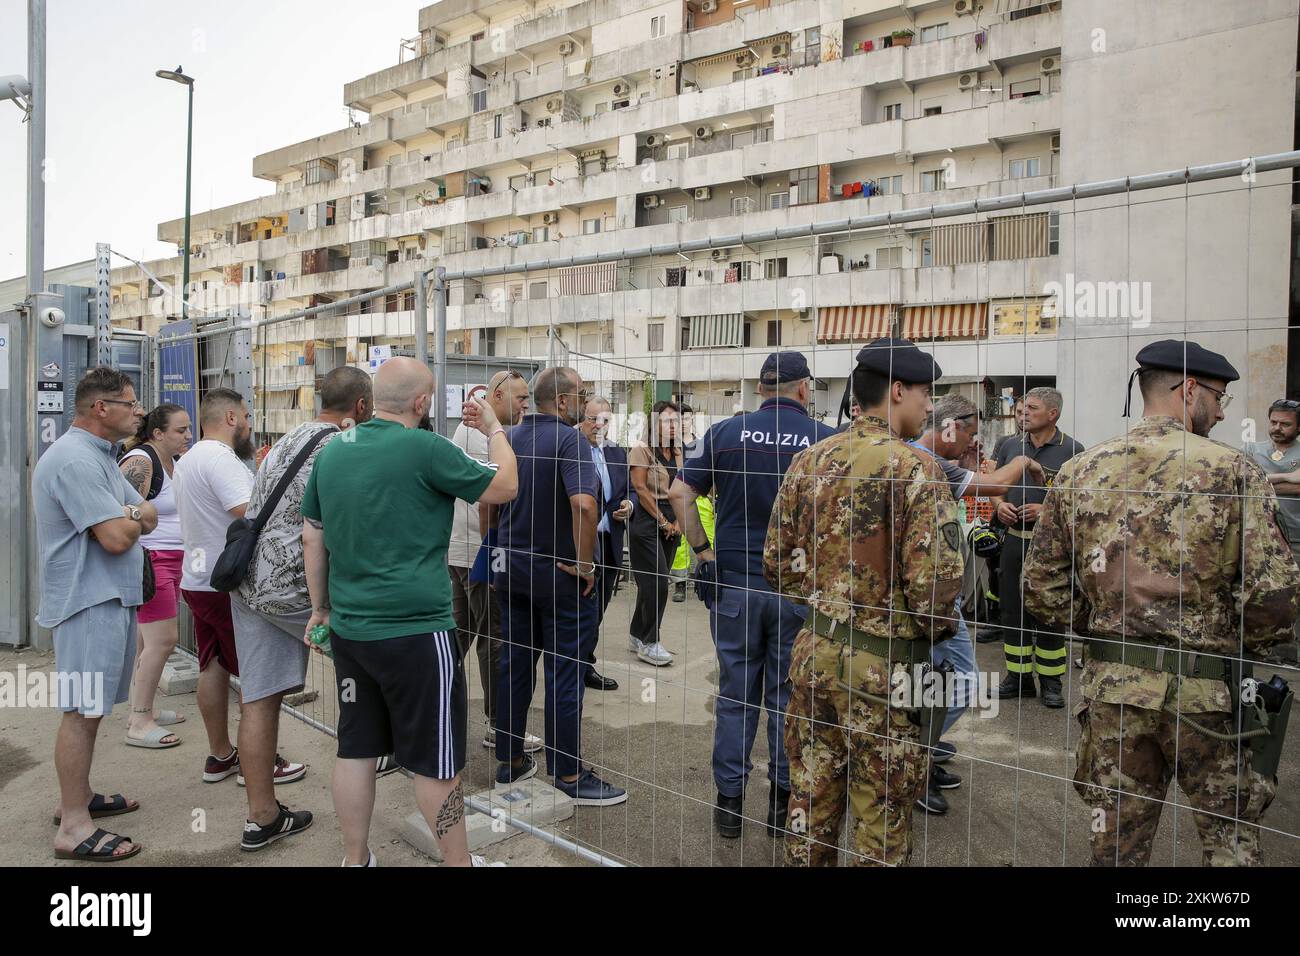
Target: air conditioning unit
{"x": 717, "y": 255}
{"x": 275, "y": 221}
{"x": 703, "y": 132}
{"x": 703, "y": 192}
{"x": 544, "y": 121}
{"x": 550, "y": 218}
{"x": 1050, "y": 64}
{"x": 649, "y": 202}
{"x": 1056, "y": 143}
{"x": 804, "y": 313}
{"x": 566, "y": 47}
{"x": 964, "y": 8}
{"x": 620, "y": 89}
{"x": 652, "y": 141}
{"x": 709, "y": 6}
{"x": 555, "y": 105}
{"x": 779, "y": 49}
{"x": 967, "y": 81}
{"x": 743, "y": 58}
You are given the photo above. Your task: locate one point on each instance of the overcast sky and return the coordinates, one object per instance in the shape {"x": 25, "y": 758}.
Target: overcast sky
{"x": 268, "y": 73}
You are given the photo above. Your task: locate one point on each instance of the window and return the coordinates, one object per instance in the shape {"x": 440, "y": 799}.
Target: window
{"x": 1053, "y": 233}
{"x": 806, "y": 180}
{"x": 1028, "y": 12}
{"x": 1026, "y": 88}
{"x": 932, "y": 180}
{"x": 763, "y": 134}
{"x": 541, "y": 234}
{"x": 677, "y": 214}
{"x": 678, "y": 150}
{"x": 657, "y": 26}
{"x": 590, "y": 226}
{"x": 478, "y": 101}
{"x": 937, "y": 32}
{"x": 773, "y": 333}
{"x": 655, "y": 337}
{"x": 489, "y": 341}
{"x": 812, "y": 45}
{"x": 319, "y": 171}
{"x": 538, "y": 346}
{"x": 740, "y": 205}
{"x": 1022, "y": 168}
{"x": 927, "y": 252}
{"x": 890, "y": 257}
{"x": 541, "y": 177}
{"x": 453, "y": 143}
{"x": 738, "y": 75}
{"x": 774, "y": 268}
{"x": 519, "y": 182}
{"x": 496, "y": 126}
{"x": 890, "y": 185}
{"x": 478, "y": 36}
{"x": 742, "y": 139}
{"x": 778, "y": 200}
{"x": 932, "y": 111}
{"x": 893, "y": 111}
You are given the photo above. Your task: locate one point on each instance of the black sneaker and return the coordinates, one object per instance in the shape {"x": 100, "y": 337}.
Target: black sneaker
{"x": 933, "y": 801}
{"x": 507, "y": 773}
{"x": 944, "y": 780}
{"x": 590, "y": 791}
{"x": 778, "y": 808}
{"x": 385, "y": 765}
{"x": 943, "y": 752}
{"x": 679, "y": 593}
{"x": 286, "y": 824}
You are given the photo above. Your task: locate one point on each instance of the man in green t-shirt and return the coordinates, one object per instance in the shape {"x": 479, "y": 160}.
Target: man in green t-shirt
{"x": 378, "y": 509}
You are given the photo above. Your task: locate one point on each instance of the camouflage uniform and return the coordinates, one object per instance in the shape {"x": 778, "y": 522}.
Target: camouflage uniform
{"x": 1168, "y": 538}
{"x": 864, "y": 531}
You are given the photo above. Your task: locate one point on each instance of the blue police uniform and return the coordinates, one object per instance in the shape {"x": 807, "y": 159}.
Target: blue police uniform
{"x": 543, "y": 610}
{"x": 745, "y": 458}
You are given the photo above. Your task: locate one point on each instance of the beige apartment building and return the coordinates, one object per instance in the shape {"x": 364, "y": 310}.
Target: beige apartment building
{"x": 513, "y": 131}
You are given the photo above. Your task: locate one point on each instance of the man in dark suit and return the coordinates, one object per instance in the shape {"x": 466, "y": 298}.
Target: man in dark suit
{"x": 615, "y": 509}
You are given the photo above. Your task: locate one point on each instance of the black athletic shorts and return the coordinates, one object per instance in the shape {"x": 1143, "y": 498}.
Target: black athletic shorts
{"x": 403, "y": 696}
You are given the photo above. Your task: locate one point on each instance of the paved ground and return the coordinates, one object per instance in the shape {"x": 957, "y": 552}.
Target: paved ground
{"x": 653, "y": 735}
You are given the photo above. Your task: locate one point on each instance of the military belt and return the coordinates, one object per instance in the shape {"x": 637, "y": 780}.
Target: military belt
{"x": 896, "y": 651}
{"x": 1170, "y": 660}
{"x": 1027, "y": 535}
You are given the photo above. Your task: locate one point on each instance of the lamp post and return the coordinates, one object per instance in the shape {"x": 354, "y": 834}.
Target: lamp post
{"x": 176, "y": 76}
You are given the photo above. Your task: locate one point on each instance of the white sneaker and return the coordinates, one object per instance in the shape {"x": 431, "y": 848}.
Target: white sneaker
{"x": 475, "y": 860}
{"x": 634, "y": 644}
{"x": 655, "y": 654}
{"x": 371, "y": 862}
{"x": 532, "y": 743}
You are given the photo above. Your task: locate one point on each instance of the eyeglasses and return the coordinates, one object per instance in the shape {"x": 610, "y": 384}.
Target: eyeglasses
{"x": 121, "y": 401}
{"x": 1223, "y": 396}
{"x": 1290, "y": 404}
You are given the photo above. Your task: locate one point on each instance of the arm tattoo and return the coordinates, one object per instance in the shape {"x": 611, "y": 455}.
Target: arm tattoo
{"x": 138, "y": 473}
{"x": 452, "y": 812}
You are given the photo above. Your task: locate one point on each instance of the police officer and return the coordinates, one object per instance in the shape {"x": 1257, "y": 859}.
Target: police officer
{"x": 744, "y": 459}
{"x": 1163, "y": 547}
{"x": 864, "y": 531}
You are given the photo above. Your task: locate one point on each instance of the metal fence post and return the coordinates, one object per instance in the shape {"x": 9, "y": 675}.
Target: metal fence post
{"x": 440, "y": 349}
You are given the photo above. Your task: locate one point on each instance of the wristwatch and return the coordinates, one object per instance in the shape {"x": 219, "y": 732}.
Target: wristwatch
{"x": 702, "y": 548}
{"x": 134, "y": 512}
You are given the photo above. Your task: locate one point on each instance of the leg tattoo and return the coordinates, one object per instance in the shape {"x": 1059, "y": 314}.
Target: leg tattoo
{"x": 452, "y": 812}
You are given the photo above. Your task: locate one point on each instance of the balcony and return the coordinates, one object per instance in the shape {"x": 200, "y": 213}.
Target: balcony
{"x": 1009, "y": 120}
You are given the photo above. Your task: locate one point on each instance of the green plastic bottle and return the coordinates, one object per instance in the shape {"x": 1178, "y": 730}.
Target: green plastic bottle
{"x": 320, "y": 636}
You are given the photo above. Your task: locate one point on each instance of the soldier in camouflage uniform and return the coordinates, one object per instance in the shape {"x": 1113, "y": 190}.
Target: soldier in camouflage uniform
{"x": 1165, "y": 537}
{"x": 866, "y": 533}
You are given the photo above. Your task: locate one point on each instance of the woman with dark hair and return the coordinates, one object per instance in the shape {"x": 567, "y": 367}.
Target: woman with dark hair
{"x": 164, "y": 436}
{"x": 654, "y": 532}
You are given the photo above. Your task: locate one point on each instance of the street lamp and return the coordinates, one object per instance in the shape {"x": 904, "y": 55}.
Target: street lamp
{"x": 176, "y": 76}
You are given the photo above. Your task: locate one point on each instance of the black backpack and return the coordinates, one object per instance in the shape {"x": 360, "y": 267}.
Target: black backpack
{"x": 156, "y": 481}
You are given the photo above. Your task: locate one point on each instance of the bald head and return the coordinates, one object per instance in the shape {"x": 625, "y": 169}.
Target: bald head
{"x": 402, "y": 384}
{"x": 559, "y": 391}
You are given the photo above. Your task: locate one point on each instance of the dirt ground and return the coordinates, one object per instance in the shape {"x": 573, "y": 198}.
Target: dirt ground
{"x": 653, "y": 735}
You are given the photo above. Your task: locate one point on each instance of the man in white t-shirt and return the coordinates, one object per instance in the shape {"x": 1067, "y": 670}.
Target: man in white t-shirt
{"x": 213, "y": 486}
{"x": 478, "y": 619}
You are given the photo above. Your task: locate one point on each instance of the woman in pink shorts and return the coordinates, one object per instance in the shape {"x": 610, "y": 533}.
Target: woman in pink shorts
{"x": 163, "y": 437}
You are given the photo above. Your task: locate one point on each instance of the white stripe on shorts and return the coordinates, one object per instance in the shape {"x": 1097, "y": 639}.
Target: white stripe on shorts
{"x": 446, "y": 759}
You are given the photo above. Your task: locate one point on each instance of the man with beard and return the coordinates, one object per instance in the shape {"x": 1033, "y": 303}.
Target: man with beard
{"x": 1164, "y": 548}
{"x": 213, "y": 486}
{"x": 1280, "y": 459}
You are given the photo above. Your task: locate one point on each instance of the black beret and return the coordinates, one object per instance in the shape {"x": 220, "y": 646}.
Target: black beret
{"x": 1188, "y": 358}
{"x": 899, "y": 359}
{"x": 781, "y": 367}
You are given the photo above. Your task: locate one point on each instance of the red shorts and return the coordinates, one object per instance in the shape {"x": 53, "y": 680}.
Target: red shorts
{"x": 167, "y": 586}
{"x": 214, "y": 632}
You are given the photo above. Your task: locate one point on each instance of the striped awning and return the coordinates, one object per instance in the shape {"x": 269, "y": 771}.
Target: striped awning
{"x": 968, "y": 320}
{"x": 589, "y": 280}
{"x": 853, "y": 323}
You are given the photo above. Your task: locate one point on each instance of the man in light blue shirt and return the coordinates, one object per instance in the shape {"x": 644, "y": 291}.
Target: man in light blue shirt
{"x": 88, "y": 526}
